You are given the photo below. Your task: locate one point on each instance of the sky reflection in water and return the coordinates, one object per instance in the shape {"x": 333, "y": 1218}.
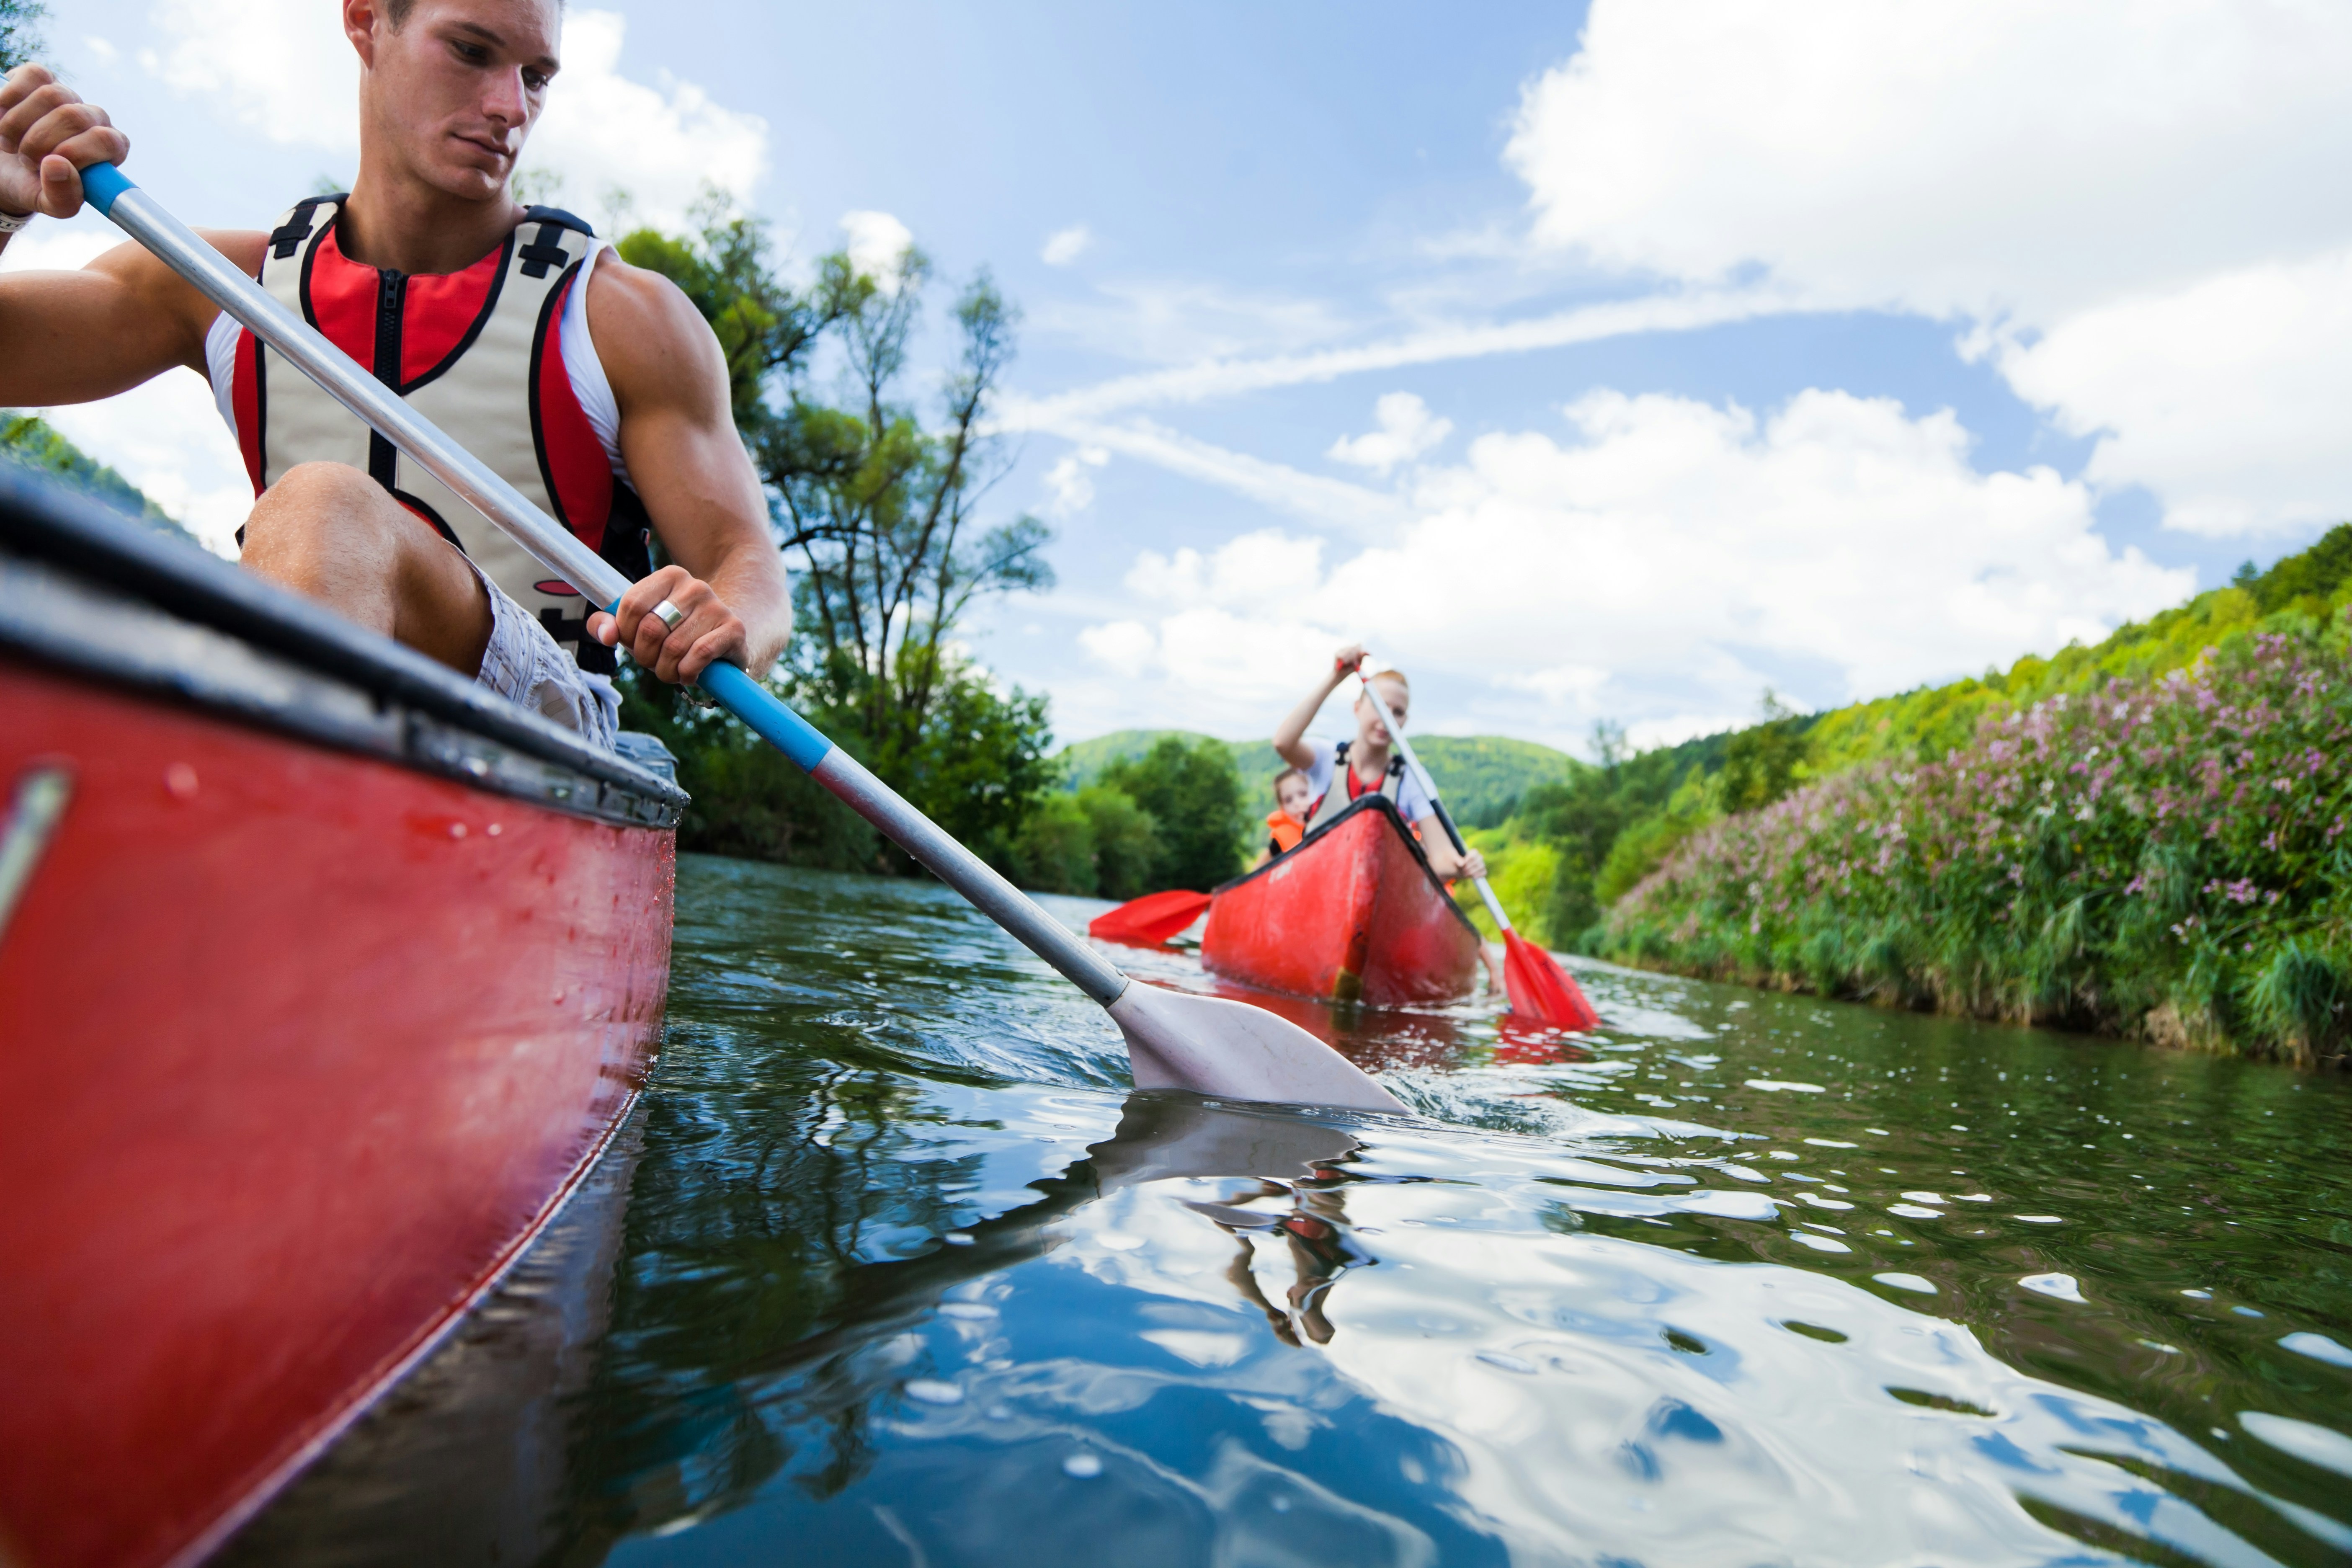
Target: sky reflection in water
{"x": 903, "y": 1275}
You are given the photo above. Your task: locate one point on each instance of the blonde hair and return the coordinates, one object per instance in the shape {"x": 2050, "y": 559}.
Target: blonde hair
{"x": 1396, "y": 675}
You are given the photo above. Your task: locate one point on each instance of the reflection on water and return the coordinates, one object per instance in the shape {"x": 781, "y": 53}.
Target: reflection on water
{"x": 905, "y": 1276}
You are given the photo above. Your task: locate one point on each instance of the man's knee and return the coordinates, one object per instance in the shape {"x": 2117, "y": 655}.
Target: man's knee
{"x": 314, "y": 500}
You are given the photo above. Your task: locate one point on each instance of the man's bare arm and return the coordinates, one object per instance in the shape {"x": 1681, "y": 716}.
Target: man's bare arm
{"x": 71, "y": 337}
{"x": 687, "y": 463}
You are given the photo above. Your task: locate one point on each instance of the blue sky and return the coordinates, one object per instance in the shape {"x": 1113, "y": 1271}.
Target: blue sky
{"x": 1588, "y": 366}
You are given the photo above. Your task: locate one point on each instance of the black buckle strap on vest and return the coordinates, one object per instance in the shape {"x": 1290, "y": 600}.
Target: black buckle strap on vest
{"x": 544, "y": 252}
{"x": 288, "y": 237}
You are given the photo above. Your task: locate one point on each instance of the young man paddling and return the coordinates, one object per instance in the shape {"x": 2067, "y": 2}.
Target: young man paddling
{"x": 1370, "y": 765}
{"x": 593, "y": 388}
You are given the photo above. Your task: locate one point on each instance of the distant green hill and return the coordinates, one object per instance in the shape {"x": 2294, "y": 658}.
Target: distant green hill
{"x": 31, "y": 440}
{"x": 1482, "y": 776}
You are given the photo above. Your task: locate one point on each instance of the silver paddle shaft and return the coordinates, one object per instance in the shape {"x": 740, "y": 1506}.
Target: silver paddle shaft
{"x": 1428, "y": 787}
{"x": 218, "y": 278}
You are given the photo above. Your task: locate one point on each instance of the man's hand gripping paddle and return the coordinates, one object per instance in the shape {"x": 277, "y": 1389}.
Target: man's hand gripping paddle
{"x": 1541, "y": 991}
{"x": 1173, "y": 1040}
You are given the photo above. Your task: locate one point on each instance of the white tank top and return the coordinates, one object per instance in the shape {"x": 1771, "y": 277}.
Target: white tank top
{"x": 580, "y": 365}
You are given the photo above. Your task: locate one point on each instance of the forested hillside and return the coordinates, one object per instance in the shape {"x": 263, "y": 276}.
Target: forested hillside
{"x": 1483, "y": 776}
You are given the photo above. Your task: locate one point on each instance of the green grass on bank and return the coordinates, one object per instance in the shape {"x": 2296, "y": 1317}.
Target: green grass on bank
{"x": 2148, "y": 836}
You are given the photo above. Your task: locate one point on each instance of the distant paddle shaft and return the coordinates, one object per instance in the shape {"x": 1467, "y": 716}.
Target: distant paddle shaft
{"x": 1173, "y": 1040}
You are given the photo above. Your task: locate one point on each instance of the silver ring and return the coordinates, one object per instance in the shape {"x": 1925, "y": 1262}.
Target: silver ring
{"x": 670, "y": 613}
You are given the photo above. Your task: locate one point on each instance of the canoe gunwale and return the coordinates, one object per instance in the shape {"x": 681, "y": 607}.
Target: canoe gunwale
{"x": 1382, "y": 805}
{"x": 95, "y": 594}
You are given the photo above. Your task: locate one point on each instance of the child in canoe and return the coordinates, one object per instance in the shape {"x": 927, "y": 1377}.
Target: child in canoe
{"x": 1287, "y": 823}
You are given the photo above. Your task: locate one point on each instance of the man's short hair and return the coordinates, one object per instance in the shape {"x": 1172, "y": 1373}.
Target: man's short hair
{"x": 396, "y": 12}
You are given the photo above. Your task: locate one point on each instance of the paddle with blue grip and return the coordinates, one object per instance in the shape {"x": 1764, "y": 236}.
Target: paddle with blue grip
{"x": 1174, "y": 1040}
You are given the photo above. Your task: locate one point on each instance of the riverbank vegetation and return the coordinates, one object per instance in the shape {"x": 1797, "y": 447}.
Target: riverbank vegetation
{"x": 2147, "y": 836}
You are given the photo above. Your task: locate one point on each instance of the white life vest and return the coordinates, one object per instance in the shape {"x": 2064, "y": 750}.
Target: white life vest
{"x": 478, "y": 352}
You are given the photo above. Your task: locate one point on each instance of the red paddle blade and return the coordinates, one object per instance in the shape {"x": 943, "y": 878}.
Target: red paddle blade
{"x": 1541, "y": 991}
{"x": 1150, "y": 921}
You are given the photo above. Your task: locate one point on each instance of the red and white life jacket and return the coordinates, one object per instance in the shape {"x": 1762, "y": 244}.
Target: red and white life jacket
{"x": 480, "y": 354}
{"x": 1346, "y": 786}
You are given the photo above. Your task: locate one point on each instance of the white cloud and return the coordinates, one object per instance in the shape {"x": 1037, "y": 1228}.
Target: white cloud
{"x": 281, "y": 66}
{"x": 284, "y": 68}
{"x": 1657, "y": 567}
{"x": 877, "y": 243}
{"x": 2117, "y": 177}
{"x": 2227, "y": 397}
{"x": 1407, "y": 431}
{"x": 1125, "y": 646}
{"x": 1310, "y": 497}
{"x": 662, "y": 144}
{"x": 101, "y": 49}
{"x": 1217, "y": 369}
{"x": 1064, "y": 246}
{"x": 1073, "y": 486}
{"x": 1184, "y": 321}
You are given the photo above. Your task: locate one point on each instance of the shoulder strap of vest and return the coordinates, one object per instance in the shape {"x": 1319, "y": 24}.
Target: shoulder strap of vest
{"x": 546, "y": 250}
{"x": 300, "y": 222}
{"x": 1392, "y": 783}
{"x": 1335, "y": 796}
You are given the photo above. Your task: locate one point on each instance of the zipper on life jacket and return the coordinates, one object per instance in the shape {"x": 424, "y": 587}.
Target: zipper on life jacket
{"x": 391, "y": 303}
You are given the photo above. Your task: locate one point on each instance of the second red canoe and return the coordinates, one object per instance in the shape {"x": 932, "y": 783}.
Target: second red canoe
{"x": 1352, "y": 914}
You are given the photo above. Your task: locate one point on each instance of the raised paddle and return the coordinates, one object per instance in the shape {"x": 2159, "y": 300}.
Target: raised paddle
{"x": 1540, "y": 990}
{"x": 1173, "y": 1040}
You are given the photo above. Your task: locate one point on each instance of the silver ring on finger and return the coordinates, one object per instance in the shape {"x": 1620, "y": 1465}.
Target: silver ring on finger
{"x": 671, "y": 616}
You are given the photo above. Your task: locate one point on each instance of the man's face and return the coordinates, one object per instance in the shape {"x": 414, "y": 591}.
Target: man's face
{"x": 453, "y": 91}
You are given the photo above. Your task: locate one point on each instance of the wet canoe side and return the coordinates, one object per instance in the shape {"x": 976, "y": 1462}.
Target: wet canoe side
{"x": 299, "y": 1052}
{"x": 324, "y": 980}
{"x": 1350, "y": 915}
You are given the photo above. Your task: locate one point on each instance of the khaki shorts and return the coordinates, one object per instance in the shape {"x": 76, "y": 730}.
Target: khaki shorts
{"x": 531, "y": 669}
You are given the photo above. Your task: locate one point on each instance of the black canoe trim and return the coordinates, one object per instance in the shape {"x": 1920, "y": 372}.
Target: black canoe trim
{"x": 85, "y": 589}
{"x": 1362, "y": 803}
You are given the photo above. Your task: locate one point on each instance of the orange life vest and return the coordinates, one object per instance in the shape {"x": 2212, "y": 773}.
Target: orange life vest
{"x": 1285, "y": 831}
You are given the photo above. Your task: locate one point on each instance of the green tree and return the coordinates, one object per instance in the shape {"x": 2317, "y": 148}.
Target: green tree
{"x": 881, "y": 511}
{"x": 1096, "y": 841}
{"x": 1125, "y": 840}
{"x": 1762, "y": 764}
{"x": 1195, "y": 798}
{"x": 20, "y": 37}
{"x": 877, "y": 513}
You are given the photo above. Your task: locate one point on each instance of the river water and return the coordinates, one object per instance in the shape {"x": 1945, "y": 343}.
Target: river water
{"x": 892, "y": 1269}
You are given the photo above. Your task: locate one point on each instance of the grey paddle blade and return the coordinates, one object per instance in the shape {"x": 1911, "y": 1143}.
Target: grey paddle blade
{"x": 1210, "y": 1045}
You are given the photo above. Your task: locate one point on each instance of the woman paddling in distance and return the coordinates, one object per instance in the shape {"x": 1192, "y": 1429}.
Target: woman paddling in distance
{"x": 1372, "y": 767}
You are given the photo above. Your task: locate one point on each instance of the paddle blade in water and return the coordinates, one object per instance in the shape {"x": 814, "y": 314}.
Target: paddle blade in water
{"x": 1150, "y": 921}
{"x": 1541, "y": 991}
{"x": 1210, "y": 1045}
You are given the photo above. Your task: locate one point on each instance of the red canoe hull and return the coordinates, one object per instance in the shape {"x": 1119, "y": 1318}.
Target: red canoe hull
{"x": 1351, "y": 915}
{"x": 294, "y": 1071}
{"x": 323, "y": 982}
